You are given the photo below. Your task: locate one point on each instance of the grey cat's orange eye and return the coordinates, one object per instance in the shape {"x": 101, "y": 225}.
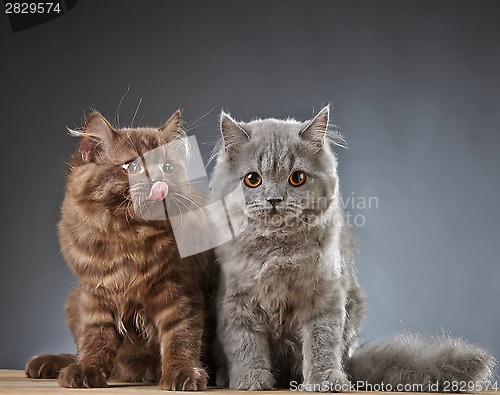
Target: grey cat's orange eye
{"x": 297, "y": 178}
{"x": 253, "y": 180}
{"x": 133, "y": 167}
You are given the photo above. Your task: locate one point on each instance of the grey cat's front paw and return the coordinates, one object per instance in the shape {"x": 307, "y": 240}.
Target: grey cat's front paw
{"x": 254, "y": 380}
{"x": 329, "y": 380}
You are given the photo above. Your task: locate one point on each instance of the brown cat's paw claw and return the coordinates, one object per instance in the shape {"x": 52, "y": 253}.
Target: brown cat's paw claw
{"x": 77, "y": 376}
{"x": 47, "y": 366}
{"x": 184, "y": 379}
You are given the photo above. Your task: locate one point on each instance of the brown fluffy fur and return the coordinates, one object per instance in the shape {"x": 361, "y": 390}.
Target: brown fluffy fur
{"x": 137, "y": 313}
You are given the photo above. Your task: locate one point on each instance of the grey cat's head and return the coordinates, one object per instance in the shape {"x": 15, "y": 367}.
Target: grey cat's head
{"x": 284, "y": 170}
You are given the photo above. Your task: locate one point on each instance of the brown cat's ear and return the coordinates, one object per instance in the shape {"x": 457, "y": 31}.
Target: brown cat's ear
{"x": 96, "y": 136}
{"x": 173, "y": 123}
{"x": 316, "y": 129}
{"x": 172, "y": 129}
{"x": 232, "y": 133}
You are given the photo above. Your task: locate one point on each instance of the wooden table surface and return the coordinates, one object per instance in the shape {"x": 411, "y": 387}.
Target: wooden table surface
{"x": 15, "y": 382}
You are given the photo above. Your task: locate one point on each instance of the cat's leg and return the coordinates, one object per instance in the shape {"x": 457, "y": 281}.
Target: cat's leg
{"x": 355, "y": 309}
{"x": 180, "y": 327}
{"x": 322, "y": 347}
{"x": 97, "y": 346}
{"x": 246, "y": 348}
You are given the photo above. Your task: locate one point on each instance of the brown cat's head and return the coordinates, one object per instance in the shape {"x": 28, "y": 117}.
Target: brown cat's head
{"x": 133, "y": 173}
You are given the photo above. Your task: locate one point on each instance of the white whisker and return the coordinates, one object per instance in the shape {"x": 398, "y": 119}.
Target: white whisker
{"x": 182, "y": 203}
{"x": 180, "y": 213}
{"x": 117, "y": 115}
{"x": 137, "y": 109}
{"x": 208, "y": 112}
{"x": 190, "y": 200}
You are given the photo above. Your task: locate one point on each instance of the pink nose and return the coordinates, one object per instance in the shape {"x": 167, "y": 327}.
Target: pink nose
{"x": 158, "y": 191}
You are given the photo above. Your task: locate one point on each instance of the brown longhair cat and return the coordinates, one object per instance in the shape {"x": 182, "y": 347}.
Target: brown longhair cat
{"x": 138, "y": 311}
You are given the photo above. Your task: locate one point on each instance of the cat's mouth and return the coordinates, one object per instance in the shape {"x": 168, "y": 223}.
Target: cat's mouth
{"x": 273, "y": 211}
{"x": 158, "y": 191}
{"x": 149, "y": 200}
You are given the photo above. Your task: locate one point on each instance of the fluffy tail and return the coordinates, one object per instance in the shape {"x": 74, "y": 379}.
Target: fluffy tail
{"x": 409, "y": 363}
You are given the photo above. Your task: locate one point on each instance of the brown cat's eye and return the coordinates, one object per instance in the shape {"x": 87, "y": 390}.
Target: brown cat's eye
{"x": 167, "y": 168}
{"x": 297, "y": 178}
{"x": 253, "y": 180}
{"x": 133, "y": 167}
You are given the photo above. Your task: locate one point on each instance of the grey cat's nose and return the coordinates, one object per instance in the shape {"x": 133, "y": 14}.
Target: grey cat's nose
{"x": 275, "y": 201}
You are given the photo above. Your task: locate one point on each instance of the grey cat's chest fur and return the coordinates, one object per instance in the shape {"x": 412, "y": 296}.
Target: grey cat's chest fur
{"x": 291, "y": 273}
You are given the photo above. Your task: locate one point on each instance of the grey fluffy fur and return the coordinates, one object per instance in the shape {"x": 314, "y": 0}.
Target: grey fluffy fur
{"x": 433, "y": 363}
{"x": 289, "y": 302}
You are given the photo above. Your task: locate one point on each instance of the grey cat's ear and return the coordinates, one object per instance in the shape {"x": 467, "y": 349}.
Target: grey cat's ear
{"x": 96, "y": 136}
{"x": 232, "y": 133}
{"x": 316, "y": 129}
{"x": 173, "y": 123}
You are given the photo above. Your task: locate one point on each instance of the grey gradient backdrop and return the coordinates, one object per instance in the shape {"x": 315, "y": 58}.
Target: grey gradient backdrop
{"x": 415, "y": 88}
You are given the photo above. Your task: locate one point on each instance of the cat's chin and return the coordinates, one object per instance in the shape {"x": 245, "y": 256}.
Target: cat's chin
{"x": 154, "y": 212}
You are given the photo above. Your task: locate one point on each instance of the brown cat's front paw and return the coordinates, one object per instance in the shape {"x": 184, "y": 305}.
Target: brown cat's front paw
{"x": 184, "y": 379}
{"x": 46, "y": 366}
{"x": 78, "y": 376}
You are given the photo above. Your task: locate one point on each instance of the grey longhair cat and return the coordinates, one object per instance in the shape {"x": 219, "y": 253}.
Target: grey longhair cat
{"x": 289, "y": 302}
